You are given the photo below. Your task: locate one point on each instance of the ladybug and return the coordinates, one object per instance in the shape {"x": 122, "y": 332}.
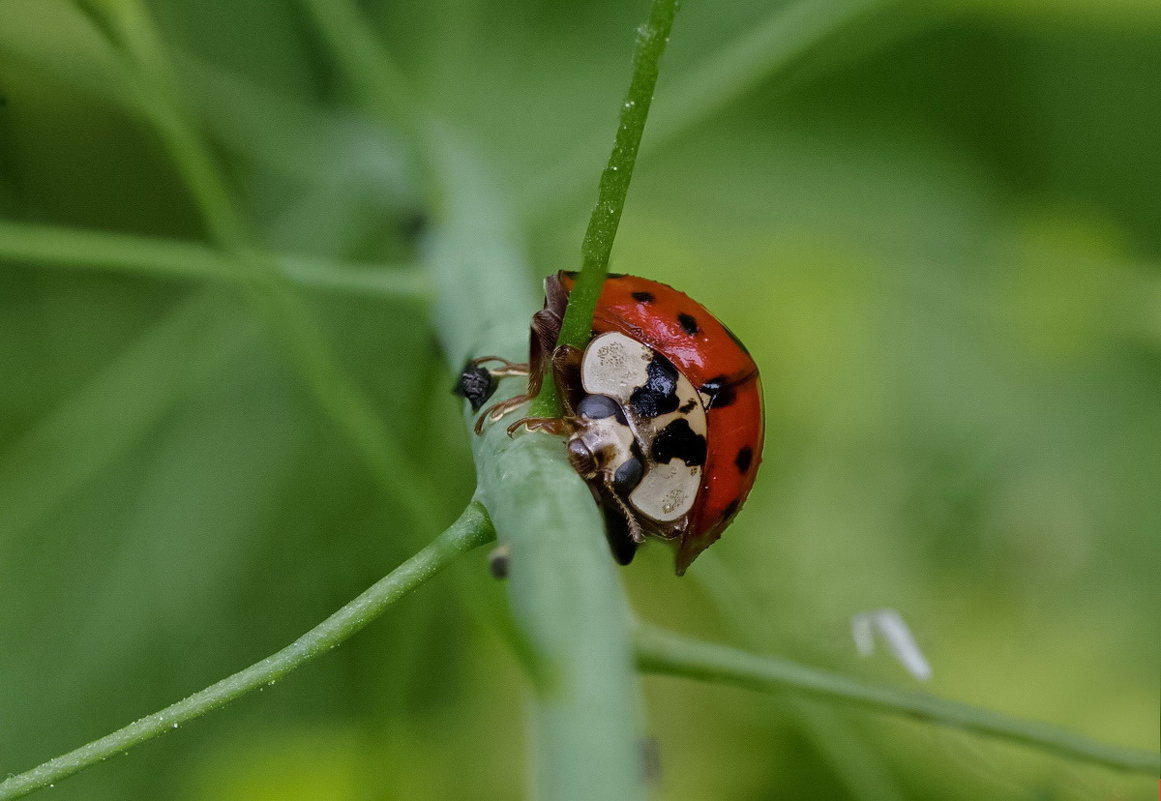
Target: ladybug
{"x": 662, "y": 411}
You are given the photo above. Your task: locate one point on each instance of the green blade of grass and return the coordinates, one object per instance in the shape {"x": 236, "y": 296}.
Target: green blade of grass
{"x": 586, "y": 716}
{"x": 471, "y": 530}
{"x": 660, "y": 651}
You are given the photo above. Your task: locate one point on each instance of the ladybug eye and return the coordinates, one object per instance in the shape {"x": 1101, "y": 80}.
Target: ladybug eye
{"x": 598, "y": 407}
{"x": 628, "y": 476}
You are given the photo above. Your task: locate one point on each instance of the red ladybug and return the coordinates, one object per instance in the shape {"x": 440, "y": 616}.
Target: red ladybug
{"x": 663, "y": 411}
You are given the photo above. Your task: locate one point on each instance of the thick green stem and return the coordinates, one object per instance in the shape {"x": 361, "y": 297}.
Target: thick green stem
{"x": 566, "y": 597}
{"x": 660, "y": 651}
{"x": 471, "y": 530}
{"x": 567, "y": 601}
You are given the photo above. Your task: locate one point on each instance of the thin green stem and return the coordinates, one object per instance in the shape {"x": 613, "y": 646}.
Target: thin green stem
{"x": 660, "y": 651}
{"x": 471, "y": 530}
{"x": 55, "y": 246}
{"x": 652, "y": 37}
{"x": 771, "y": 45}
{"x": 614, "y": 185}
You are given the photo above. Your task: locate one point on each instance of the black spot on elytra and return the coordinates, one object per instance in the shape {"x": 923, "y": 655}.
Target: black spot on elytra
{"x": 689, "y": 406}
{"x": 688, "y": 323}
{"x": 643, "y": 297}
{"x": 476, "y": 383}
{"x": 659, "y": 395}
{"x": 720, "y": 392}
{"x": 730, "y": 510}
{"x": 743, "y": 459}
{"x": 678, "y": 440}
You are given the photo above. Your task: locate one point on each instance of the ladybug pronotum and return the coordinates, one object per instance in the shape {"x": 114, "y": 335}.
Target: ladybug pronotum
{"x": 662, "y": 411}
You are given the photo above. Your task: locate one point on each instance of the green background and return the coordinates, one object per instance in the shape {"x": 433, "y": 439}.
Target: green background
{"x": 937, "y": 231}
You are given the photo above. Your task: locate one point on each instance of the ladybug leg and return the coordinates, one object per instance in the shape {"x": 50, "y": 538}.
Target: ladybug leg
{"x": 556, "y": 426}
{"x": 506, "y": 369}
{"x": 541, "y": 346}
{"x": 497, "y": 411}
{"x": 565, "y": 361}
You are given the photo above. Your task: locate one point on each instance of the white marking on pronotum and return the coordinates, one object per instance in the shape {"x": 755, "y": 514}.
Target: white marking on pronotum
{"x": 667, "y": 491}
{"x": 896, "y": 635}
{"x": 615, "y": 365}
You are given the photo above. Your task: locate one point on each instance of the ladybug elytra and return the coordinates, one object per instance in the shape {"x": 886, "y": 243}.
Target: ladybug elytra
{"x": 662, "y": 411}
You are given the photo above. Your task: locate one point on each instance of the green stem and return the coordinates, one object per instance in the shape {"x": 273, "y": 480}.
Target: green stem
{"x": 567, "y": 600}
{"x": 660, "y": 651}
{"x": 771, "y": 45}
{"x": 611, "y": 192}
{"x": 614, "y": 185}
{"x": 56, "y": 246}
{"x": 471, "y": 530}
{"x": 570, "y": 608}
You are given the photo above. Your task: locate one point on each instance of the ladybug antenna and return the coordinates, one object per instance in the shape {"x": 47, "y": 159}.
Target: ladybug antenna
{"x": 635, "y": 531}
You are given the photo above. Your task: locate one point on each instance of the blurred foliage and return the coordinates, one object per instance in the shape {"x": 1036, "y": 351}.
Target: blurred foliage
{"x": 938, "y": 232}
